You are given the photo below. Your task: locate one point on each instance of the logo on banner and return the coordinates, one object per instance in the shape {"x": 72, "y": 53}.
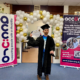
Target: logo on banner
{"x": 4, "y": 20}
{"x": 72, "y": 18}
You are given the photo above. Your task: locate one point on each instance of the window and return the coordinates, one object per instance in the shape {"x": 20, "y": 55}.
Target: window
{"x": 77, "y": 13}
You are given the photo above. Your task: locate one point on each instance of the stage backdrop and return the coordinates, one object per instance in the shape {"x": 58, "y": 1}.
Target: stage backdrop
{"x": 8, "y": 54}
{"x": 70, "y": 52}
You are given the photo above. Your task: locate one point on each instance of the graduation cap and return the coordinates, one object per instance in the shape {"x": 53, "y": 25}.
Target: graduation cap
{"x": 46, "y": 26}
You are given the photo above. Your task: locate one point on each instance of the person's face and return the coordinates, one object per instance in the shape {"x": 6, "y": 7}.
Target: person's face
{"x": 70, "y": 41}
{"x": 71, "y": 44}
{"x": 63, "y": 45}
{"x": 46, "y": 31}
{"x": 74, "y": 40}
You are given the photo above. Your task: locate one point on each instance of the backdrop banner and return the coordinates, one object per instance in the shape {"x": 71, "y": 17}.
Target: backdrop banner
{"x": 8, "y": 55}
{"x": 70, "y": 52}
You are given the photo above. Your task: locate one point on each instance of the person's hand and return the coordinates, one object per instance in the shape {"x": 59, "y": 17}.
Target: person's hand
{"x": 30, "y": 35}
{"x": 52, "y": 52}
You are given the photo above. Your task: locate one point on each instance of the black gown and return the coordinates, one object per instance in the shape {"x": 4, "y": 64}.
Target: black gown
{"x": 50, "y": 45}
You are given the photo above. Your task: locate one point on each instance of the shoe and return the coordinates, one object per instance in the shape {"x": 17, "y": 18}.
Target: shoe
{"x": 39, "y": 78}
{"x": 47, "y": 77}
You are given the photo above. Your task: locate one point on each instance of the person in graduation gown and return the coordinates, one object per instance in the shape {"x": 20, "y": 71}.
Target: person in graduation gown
{"x": 46, "y": 47}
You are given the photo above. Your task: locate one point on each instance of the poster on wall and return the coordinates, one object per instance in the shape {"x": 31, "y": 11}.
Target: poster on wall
{"x": 8, "y": 54}
{"x": 70, "y": 50}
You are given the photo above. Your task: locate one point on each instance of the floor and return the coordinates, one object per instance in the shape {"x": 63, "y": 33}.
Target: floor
{"x": 31, "y": 56}
{"x": 28, "y": 71}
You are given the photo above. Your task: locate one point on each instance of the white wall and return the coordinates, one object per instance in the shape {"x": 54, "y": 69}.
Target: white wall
{"x": 36, "y": 25}
{"x": 57, "y": 60}
{"x": 66, "y": 8}
{"x": 6, "y": 9}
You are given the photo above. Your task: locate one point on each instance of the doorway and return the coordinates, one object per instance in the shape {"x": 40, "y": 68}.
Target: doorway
{"x": 29, "y": 53}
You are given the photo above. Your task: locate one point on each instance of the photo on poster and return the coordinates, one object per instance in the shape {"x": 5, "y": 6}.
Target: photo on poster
{"x": 72, "y": 43}
{"x": 78, "y": 39}
{"x": 64, "y": 46}
{"x": 77, "y": 54}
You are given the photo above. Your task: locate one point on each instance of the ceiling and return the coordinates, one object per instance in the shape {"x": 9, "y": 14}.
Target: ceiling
{"x": 43, "y": 2}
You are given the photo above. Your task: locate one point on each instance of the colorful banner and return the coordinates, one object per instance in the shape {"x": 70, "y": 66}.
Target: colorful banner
{"x": 8, "y": 55}
{"x": 70, "y": 52}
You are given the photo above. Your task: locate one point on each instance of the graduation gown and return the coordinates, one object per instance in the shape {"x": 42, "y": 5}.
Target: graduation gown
{"x": 50, "y": 45}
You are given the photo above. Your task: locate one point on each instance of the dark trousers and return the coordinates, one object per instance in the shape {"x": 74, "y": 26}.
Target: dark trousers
{"x": 43, "y": 64}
